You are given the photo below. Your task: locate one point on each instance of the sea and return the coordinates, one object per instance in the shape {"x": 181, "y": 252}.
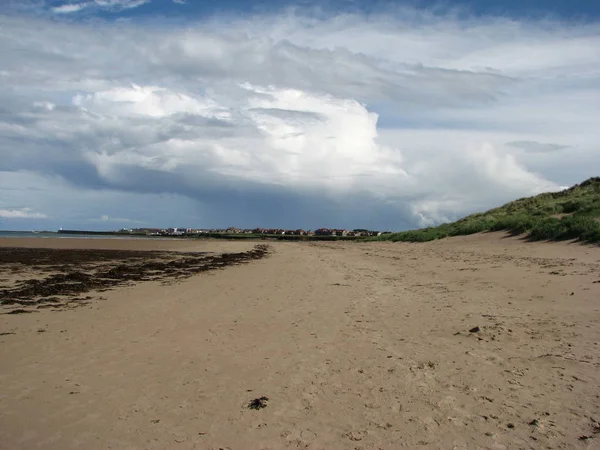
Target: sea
{"x": 48, "y": 234}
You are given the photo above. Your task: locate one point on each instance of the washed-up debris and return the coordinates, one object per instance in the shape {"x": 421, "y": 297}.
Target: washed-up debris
{"x": 258, "y": 403}
{"x": 19, "y": 311}
{"x": 98, "y": 270}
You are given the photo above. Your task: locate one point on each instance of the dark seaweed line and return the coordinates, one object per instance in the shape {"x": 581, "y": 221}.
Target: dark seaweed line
{"x": 41, "y": 292}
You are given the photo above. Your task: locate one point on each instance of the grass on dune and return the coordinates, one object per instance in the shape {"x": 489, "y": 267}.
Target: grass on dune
{"x": 570, "y": 214}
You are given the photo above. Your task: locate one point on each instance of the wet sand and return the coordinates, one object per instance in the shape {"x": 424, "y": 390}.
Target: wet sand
{"x": 350, "y": 346}
{"x": 36, "y": 278}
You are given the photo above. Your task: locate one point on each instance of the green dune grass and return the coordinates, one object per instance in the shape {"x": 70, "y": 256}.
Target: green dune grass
{"x": 570, "y": 214}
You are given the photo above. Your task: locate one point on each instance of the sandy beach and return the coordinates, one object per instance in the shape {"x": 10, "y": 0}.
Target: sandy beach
{"x": 484, "y": 341}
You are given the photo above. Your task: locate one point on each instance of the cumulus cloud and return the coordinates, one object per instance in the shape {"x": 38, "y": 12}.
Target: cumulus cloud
{"x": 22, "y": 213}
{"x": 314, "y": 116}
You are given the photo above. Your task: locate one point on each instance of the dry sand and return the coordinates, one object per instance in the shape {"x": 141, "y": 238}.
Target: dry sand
{"x": 357, "y": 346}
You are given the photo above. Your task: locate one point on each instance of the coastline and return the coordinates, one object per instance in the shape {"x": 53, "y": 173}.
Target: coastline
{"x": 82, "y": 235}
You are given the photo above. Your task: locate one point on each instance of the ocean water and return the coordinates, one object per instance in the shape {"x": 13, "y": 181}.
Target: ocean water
{"x": 45, "y": 235}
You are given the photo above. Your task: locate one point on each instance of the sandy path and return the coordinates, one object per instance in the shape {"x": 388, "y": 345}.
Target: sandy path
{"x": 355, "y": 345}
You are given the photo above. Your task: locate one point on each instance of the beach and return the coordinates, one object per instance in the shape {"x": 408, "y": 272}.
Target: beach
{"x": 484, "y": 341}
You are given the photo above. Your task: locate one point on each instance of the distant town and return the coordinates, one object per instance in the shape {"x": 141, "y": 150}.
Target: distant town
{"x": 184, "y": 231}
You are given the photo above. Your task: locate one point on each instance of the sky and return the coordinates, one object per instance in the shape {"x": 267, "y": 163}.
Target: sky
{"x": 385, "y": 115}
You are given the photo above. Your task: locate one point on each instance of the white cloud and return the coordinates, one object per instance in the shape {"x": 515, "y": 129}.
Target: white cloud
{"x": 22, "y": 213}
{"x": 150, "y": 101}
{"x": 120, "y": 4}
{"x": 108, "y": 5}
{"x": 462, "y": 115}
{"x": 180, "y": 2}
{"x": 70, "y": 8}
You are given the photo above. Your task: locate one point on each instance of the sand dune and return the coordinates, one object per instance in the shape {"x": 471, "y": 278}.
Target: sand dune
{"x": 356, "y": 346}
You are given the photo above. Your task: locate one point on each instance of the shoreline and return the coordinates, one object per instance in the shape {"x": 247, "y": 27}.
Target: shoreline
{"x": 198, "y": 236}
{"x": 53, "y": 235}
